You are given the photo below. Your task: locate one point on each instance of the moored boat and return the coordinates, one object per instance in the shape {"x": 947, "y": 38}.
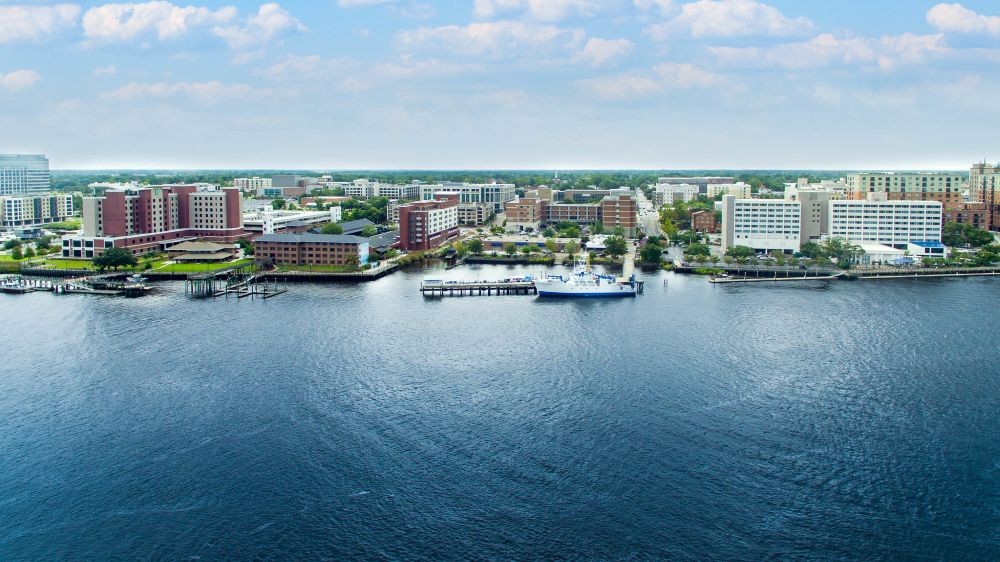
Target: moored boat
{"x": 585, "y": 283}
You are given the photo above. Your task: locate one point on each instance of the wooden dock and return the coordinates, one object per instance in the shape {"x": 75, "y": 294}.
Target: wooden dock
{"x": 475, "y": 288}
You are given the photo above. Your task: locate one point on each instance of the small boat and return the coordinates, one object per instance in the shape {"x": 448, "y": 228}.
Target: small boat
{"x": 585, "y": 283}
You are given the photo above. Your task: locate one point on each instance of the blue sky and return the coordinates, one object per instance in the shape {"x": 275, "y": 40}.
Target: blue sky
{"x": 346, "y": 84}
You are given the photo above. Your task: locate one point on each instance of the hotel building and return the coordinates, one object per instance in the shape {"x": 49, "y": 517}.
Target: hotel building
{"x": 670, "y": 193}
{"x": 26, "y": 211}
{"x": 428, "y": 224}
{"x": 154, "y": 218}
{"x": 740, "y": 190}
{"x": 252, "y": 184}
{"x": 888, "y": 222}
{"x": 24, "y": 174}
{"x": 762, "y": 224}
{"x": 493, "y": 194}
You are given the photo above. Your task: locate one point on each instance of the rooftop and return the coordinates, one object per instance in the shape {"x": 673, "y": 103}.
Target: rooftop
{"x": 311, "y": 237}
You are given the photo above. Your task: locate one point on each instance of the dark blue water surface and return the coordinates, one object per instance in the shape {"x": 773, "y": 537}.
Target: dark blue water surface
{"x": 838, "y": 420}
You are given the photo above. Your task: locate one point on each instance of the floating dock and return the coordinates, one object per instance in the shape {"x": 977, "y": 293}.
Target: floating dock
{"x": 462, "y": 288}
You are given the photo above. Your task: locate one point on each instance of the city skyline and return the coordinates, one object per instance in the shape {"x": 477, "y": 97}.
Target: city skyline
{"x": 494, "y": 84}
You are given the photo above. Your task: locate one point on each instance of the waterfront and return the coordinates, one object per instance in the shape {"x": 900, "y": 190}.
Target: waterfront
{"x": 827, "y": 420}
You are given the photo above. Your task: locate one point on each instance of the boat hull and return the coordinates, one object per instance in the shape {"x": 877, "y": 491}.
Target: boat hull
{"x": 570, "y": 292}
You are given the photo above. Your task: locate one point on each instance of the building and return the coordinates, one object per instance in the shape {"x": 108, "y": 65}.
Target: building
{"x": 26, "y": 211}
{"x": 428, "y": 224}
{"x": 493, "y": 194}
{"x": 670, "y": 193}
{"x": 364, "y": 189}
{"x": 740, "y": 190}
{"x": 525, "y": 212}
{"x": 701, "y": 181}
{"x": 890, "y": 222}
{"x": 154, "y": 218}
{"x": 475, "y": 214}
{"x": 943, "y": 187}
{"x": 619, "y": 211}
{"x": 252, "y": 184}
{"x": 357, "y": 226}
{"x": 815, "y": 204}
{"x": 984, "y": 186}
{"x": 704, "y": 221}
{"x": 24, "y": 174}
{"x": 312, "y": 249}
{"x": 580, "y": 213}
{"x": 762, "y": 224}
{"x": 198, "y": 251}
{"x": 270, "y": 221}
{"x": 977, "y": 214}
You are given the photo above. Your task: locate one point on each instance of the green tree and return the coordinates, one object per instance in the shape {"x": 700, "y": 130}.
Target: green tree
{"x": 278, "y": 204}
{"x": 476, "y": 246}
{"x": 526, "y": 249}
{"x": 615, "y": 246}
{"x": 651, "y": 253}
{"x": 368, "y": 231}
{"x": 115, "y": 258}
{"x": 16, "y": 253}
{"x": 43, "y": 243}
{"x": 697, "y": 250}
{"x": 247, "y": 246}
{"x": 29, "y": 252}
{"x": 841, "y": 251}
{"x": 550, "y": 245}
{"x": 811, "y": 250}
{"x": 332, "y": 228}
{"x": 977, "y": 237}
{"x": 510, "y": 248}
{"x": 548, "y": 232}
{"x": 571, "y": 247}
{"x": 740, "y": 252}
{"x": 11, "y": 244}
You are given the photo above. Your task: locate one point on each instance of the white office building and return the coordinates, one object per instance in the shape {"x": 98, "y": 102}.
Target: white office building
{"x": 253, "y": 183}
{"x": 364, "y": 189}
{"x": 740, "y": 190}
{"x": 762, "y": 224}
{"x": 24, "y": 174}
{"x": 493, "y": 194}
{"x": 892, "y": 223}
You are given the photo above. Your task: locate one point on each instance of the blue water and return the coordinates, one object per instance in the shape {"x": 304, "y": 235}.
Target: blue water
{"x": 837, "y": 420}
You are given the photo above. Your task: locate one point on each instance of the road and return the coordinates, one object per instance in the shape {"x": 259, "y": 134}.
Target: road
{"x": 649, "y": 218}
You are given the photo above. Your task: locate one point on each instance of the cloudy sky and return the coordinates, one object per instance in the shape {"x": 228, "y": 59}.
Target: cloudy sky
{"x": 847, "y": 84}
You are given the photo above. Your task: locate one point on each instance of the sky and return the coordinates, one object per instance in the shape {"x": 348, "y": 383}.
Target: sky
{"x": 494, "y": 84}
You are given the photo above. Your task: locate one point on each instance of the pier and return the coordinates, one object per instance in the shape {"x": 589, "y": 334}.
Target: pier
{"x": 463, "y": 288}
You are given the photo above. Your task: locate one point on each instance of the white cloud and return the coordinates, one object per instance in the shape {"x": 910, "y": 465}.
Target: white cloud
{"x": 665, "y": 7}
{"x": 543, "y": 10}
{"x": 665, "y": 76}
{"x": 408, "y": 67}
{"x": 34, "y": 23}
{"x": 497, "y": 39}
{"x": 683, "y": 75}
{"x": 959, "y": 19}
{"x": 108, "y": 70}
{"x": 126, "y": 22}
{"x": 19, "y": 80}
{"x": 207, "y": 92}
{"x": 309, "y": 66}
{"x": 825, "y": 49}
{"x": 729, "y": 18}
{"x": 599, "y": 52}
{"x": 270, "y": 22}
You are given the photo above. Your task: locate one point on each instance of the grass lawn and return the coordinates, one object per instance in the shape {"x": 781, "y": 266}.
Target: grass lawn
{"x": 68, "y": 264}
{"x": 197, "y": 267}
{"x": 65, "y": 225}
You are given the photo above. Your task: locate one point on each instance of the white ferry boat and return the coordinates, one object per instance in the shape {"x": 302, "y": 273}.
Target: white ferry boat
{"x": 584, "y": 283}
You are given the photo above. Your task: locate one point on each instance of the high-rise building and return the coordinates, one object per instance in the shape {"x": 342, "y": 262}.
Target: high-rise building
{"x": 984, "y": 185}
{"x": 253, "y": 183}
{"x": 880, "y": 221}
{"x": 762, "y": 224}
{"x": 153, "y": 218}
{"x": 23, "y": 174}
{"x": 927, "y": 186}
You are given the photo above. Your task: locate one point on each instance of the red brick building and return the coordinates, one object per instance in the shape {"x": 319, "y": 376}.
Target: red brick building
{"x": 428, "y": 224}
{"x": 153, "y": 218}
{"x": 619, "y": 210}
{"x": 312, "y": 249}
{"x": 704, "y": 221}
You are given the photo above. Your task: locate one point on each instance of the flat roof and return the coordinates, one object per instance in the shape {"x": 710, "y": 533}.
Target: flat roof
{"x": 311, "y": 237}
